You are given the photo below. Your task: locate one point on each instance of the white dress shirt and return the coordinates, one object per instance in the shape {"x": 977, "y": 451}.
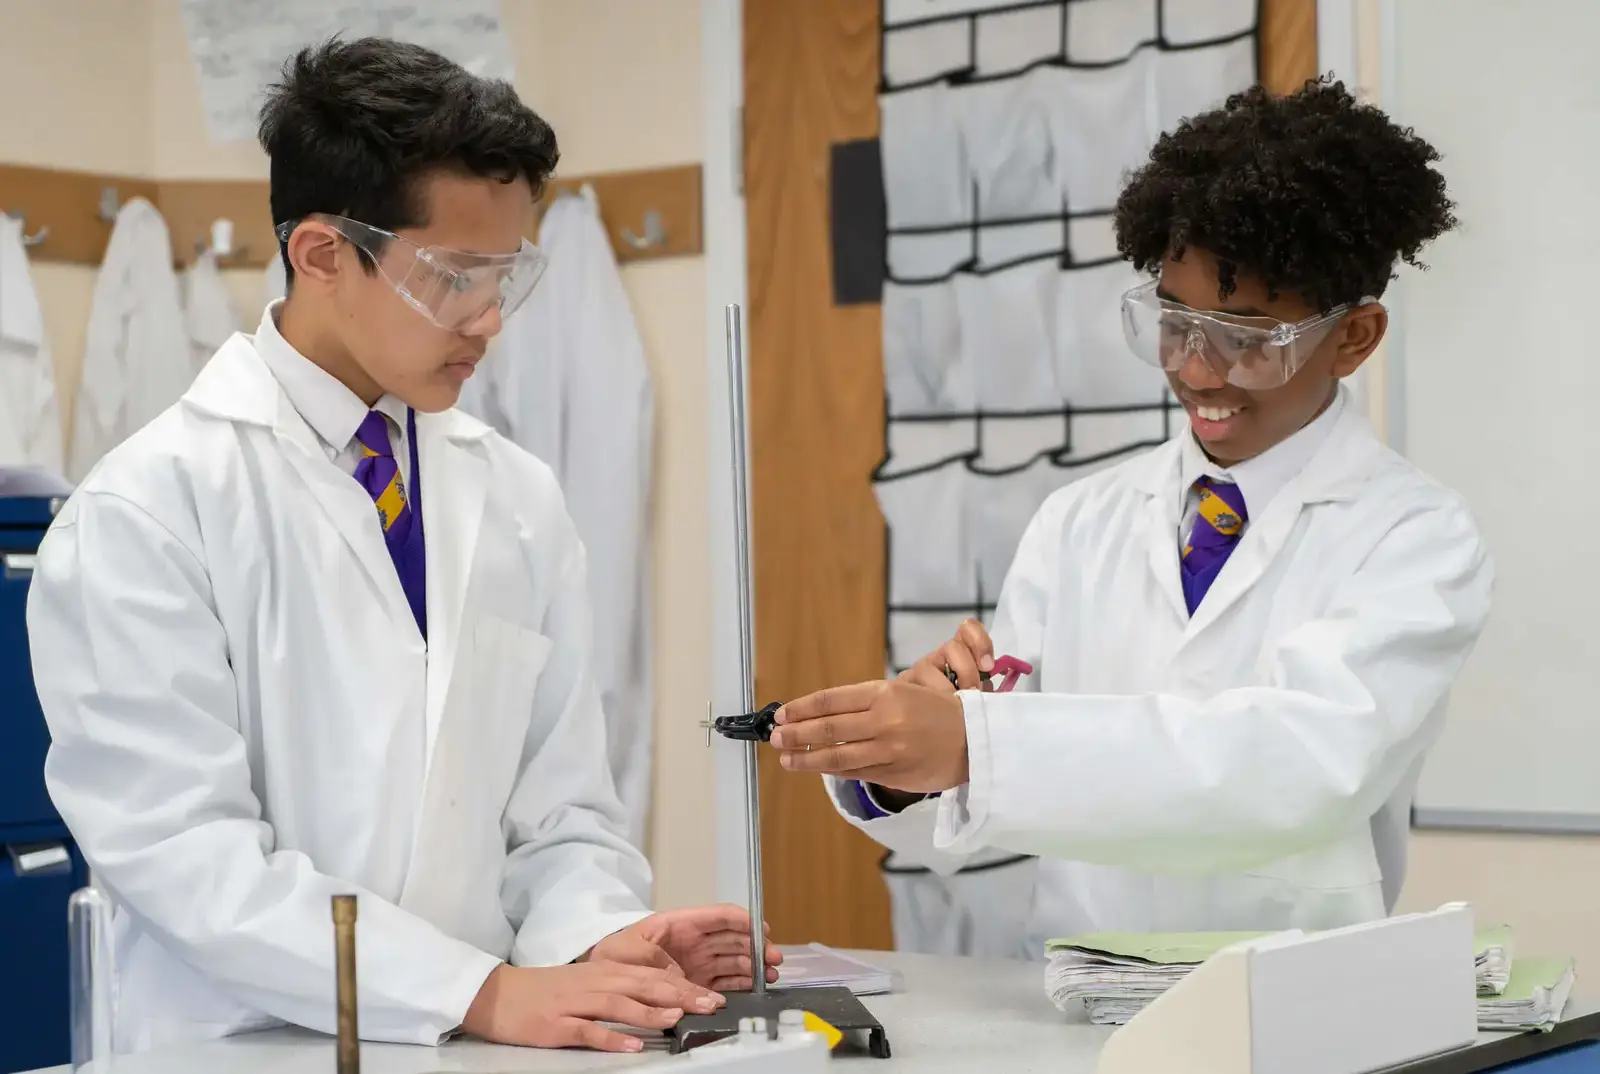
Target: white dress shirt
{"x": 1260, "y": 478}
{"x": 333, "y": 411}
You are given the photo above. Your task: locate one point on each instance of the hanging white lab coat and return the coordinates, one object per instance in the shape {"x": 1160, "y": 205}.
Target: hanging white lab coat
{"x": 208, "y": 314}
{"x": 136, "y": 358}
{"x": 567, "y": 380}
{"x": 1251, "y": 767}
{"x": 30, "y": 416}
{"x": 228, "y": 666}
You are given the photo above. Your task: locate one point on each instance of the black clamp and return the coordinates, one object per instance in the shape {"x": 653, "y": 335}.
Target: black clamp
{"x": 749, "y": 726}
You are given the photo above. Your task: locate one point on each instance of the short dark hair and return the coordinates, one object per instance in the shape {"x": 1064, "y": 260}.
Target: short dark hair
{"x": 352, "y": 127}
{"x": 1314, "y": 193}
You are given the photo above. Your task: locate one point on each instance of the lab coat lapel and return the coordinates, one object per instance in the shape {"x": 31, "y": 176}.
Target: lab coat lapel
{"x": 1154, "y": 475}
{"x": 237, "y": 385}
{"x": 455, "y": 484}
{"x": 1336, "y": 472}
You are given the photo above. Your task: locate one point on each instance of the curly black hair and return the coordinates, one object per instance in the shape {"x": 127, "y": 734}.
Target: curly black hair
{"x": 1313, "y": 193}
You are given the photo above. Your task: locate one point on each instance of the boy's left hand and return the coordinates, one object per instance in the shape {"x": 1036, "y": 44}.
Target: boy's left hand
{"x": 710, "y": 945}
{"x": 895, "y": 734}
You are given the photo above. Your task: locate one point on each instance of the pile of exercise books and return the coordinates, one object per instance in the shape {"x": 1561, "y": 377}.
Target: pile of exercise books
{"x": 1114, "y": 975}
{"x": 817, "y": 966}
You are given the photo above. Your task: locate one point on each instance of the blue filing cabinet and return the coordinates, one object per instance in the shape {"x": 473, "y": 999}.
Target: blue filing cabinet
{"x": 39, "y": 866}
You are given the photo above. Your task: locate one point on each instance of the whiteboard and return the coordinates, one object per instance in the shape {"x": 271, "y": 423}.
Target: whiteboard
{"x": 1496, "y": 352}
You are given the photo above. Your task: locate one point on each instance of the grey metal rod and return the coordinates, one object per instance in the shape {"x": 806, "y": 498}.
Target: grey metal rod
{"x": 738, "y": 438}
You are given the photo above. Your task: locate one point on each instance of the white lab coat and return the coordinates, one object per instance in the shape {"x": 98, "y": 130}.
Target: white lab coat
{"x": 567, "y": 380}
{"x": 30, "y": 415}
{"x": 208, "y": 313}
{"x": 228, "y": 664}
{"x": 136, "y": 358}
{"x": 1251, "y": 767}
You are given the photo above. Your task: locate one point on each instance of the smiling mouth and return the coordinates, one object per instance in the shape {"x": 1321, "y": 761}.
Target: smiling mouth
{"x": 1216, "y": 413}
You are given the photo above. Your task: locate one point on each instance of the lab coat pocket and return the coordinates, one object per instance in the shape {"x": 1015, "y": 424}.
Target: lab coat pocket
{"x": 507, "y": 661}
{"x": 1339, "y": 883}
{"x": 1007, "y": 324}
{"x": 980, "y": 912}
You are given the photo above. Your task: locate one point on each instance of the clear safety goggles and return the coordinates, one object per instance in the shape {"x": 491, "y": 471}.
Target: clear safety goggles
{"x": 452, "y": 288}
{"x": 1248, "y": 352}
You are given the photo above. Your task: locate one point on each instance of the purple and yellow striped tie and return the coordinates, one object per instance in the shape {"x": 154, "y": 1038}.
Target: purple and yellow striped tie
{"x": 1216, "y": 533}
{"x": 379, "y": 473}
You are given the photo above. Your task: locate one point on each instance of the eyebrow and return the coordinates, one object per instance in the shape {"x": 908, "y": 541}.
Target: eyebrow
{"x": 1245, "y": 311}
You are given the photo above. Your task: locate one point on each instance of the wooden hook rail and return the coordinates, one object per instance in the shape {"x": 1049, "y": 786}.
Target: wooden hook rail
{"x": 649, "y": 214}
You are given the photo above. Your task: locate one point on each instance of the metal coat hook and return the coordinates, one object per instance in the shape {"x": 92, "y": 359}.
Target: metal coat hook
{"x": 655, "y": 233}
{"x": 109, "y": 204}
{"x": 30, "y": 240}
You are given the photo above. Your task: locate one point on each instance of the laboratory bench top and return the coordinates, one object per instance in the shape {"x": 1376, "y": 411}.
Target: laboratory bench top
{"x": 953, "y": 1015}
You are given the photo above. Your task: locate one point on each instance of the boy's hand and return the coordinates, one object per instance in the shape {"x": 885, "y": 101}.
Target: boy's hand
{"x": 896, "y": 734}
{"x": 562, "y": 1006}
{"x": 970, "y": 655}
{"x": 710, "y": 945}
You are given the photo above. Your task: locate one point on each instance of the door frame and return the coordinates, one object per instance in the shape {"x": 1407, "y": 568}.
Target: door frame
{"x": 727, "y": 269}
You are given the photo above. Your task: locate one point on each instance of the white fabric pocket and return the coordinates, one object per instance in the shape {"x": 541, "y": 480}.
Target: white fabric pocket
{"x": 1006, "y": 129}
{"x": 929, "y": 561}
{"x": 1185, "y": 22}
{"x": 1105, "y": 439}
{"x": 1013, "y": 40}
{"x": 1103, "y": 129}
{"x": 923, "y": 371}
{"x": 918, "y": 445}
{"x": 926, "y": 178}
{"x": 1008, "y": 443}
{"x": 1002, "y": 246}
{"x": 913, "y": 634}
{"x": 999, "y": 510}
{"x": 1007, "y": 336}
{"x": 1094, "y": 365}
{"x": 1106, "y": 31}
{"x": 1191, "y": 81}
{"x": 920, "y": 53}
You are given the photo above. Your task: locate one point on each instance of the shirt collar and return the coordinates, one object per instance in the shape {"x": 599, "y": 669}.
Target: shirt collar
{"x": 332, "y": 410}
{"x": 1263, "y": 477}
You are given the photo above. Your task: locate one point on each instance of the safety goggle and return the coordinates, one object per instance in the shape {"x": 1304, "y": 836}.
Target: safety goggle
{"x": 452, "y": 288}
{"x": 1248, "y": 352}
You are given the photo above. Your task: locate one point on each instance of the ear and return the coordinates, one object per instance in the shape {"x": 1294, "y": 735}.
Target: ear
{"x": 314, "y": 253}
{"x": 1359, "y": 335}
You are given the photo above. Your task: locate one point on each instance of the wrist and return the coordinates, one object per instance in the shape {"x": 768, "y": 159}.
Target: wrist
{"x": 479, "y": 1019}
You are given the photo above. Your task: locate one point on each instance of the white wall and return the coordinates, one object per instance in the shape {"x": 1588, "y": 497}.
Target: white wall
{"x": 112, "y": 88}
{"x": 1542, "y": 885}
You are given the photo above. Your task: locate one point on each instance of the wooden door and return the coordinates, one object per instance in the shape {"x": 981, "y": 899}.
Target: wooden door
{"x": 816, "y": 419}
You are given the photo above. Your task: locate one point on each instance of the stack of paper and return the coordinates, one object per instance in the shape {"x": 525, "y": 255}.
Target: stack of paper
{"x": 1533, "y": 998}
{"x": 1115, "y": 974}
{"x": 1494, "y": 959}
{"x": 817, "y": 966}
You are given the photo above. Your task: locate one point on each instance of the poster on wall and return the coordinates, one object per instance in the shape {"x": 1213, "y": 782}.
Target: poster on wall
{"x": 239, "y": 46}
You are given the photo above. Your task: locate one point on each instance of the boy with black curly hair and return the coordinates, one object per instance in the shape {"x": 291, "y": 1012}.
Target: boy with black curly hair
{"x": 1243, "y": 641}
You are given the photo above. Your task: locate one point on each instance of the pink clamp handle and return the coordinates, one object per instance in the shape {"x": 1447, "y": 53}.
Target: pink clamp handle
{"x": 1013, "y": 669}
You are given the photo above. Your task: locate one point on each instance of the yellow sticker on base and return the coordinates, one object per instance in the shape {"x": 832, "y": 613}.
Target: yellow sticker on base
{"x": 817, "y": 1025}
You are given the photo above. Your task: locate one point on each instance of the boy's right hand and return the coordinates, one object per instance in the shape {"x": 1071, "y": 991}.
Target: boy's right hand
{"x": 970, "y": 654}
{"x": 562, "y": 1006}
